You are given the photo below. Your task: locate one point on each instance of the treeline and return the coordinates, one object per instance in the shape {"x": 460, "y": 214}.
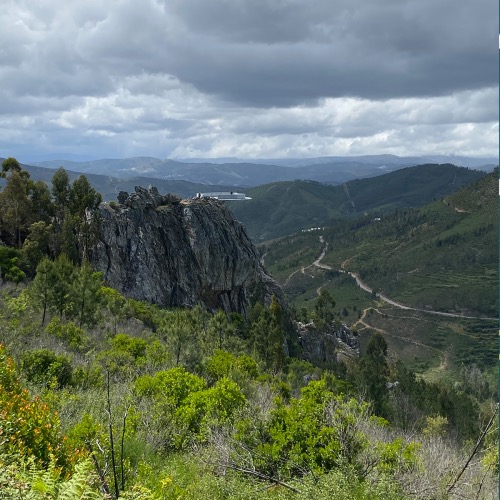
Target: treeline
{"x": 37, "y": 222}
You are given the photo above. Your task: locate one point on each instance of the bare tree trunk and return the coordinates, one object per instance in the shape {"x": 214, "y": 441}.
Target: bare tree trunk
{"x": 110, "y": 423}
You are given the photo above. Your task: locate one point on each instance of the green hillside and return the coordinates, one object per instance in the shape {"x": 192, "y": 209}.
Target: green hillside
{"x": 443, "y": 256}
{"x": 106, "y": 397}
{"x": 283, "y": 208}
{"x": 440, "y": 257}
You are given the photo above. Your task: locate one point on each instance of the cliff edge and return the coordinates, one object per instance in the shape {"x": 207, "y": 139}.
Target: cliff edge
{"x": 174, "y": 252}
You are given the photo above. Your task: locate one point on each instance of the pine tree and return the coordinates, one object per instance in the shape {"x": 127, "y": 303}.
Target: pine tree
{"x": 323, "y": 314}
{"x": 86, "y": 294}
{"x": 268, "y": 335}
{"x": 374, "y": 372}
{"x": 41, "y": 286}
{"x": 61, "y": 279}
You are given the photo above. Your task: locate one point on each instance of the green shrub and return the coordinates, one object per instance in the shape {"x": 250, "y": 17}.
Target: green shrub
{"x": 316, "y": 432}
{"x": 75, "y": 337}
{"x": 184, "y": 408}
{"x": 28, "y": 427}
{"x": 208, "y": 408}
{"x": 42, "y": 366}
{"x": 219, "y": 364}
{"x": 9, "y": 258}
{"x": 86, "y": 377}
{"x": 126, "y": 356}
{"x": 171, "y": 387}
{"x": 134, "y": 346}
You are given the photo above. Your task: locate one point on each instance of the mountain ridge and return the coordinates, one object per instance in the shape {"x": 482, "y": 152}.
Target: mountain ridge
{"x": 254, "y": 172}
{"x": 284, "y": 208}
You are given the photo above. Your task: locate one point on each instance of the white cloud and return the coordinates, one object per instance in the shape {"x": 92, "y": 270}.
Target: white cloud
{"x": 247, "y": 78}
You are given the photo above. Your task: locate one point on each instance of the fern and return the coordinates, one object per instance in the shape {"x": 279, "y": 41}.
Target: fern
{"x": 24, "y": 478}
{"x": 79, "y": 485}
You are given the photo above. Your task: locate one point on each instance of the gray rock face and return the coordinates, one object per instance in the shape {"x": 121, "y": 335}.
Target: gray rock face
{"x": 175, "y": 252}
{"x": 336, "y": 344}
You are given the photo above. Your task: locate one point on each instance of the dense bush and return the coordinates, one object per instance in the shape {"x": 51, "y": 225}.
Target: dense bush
{"x": 43, "y": 366}
{"x": 27, "y": 425}
{"x": 9, "y": 269}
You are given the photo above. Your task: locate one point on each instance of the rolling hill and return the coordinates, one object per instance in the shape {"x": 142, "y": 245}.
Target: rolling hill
{"x": 283, "y": 208}
{"x": 109, "y": 186}
{"x": 250, "y": 173}
{"x": 440, "y": 257}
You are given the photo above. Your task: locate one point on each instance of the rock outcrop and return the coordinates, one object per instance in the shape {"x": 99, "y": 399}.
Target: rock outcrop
{"x": 175, "y": 252}
{"x": 338, "y": 343}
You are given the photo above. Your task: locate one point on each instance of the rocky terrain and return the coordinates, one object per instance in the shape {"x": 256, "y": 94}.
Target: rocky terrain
{"x": 338, "y": 343}
{"x": 175, "y": 252}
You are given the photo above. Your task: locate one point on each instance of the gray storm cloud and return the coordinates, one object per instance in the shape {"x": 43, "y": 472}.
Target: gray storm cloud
{"x": 193, "y": 76}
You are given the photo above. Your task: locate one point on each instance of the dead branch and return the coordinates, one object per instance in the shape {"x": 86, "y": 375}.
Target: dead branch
{"x": 111, "y": 440}
{"x": 100, "y": 472}
{"x": 264, "y": 477}
{"x": 474, "y": 451}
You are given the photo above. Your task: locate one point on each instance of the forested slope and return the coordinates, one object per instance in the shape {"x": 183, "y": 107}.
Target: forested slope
{"x": 104, "y": 396}
{"x": 284, "y": 208}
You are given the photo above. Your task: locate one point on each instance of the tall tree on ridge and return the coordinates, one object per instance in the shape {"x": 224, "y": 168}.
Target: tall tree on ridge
{"x": 15, "y": 213}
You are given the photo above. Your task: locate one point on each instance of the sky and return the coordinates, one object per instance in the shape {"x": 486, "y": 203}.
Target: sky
{"x": 89, "y": 79}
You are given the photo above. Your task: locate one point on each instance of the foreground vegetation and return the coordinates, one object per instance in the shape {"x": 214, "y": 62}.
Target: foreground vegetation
{"x": 102, "y": 396}
{"x": 147, "y": 415}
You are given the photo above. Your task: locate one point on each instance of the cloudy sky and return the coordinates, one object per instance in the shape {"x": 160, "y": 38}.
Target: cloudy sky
{"x": 88, "y": 79}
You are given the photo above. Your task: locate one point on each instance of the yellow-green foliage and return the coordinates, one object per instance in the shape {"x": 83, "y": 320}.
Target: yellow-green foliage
{"x": 184, "y": 408}
{"x": 27, "y": 425}
{"x": 224, "y": 364}
{"x": 318, "y": 431}
{"x": 397, "y": 456}
{"x": 435, "y": 426}
{"x": 75, "y": 337}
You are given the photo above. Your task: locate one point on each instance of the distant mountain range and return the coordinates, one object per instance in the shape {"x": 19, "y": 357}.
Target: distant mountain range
{"x": 110, "y": 186}
{"x": 250, "y": 173}
{"x": 284, "y": 207}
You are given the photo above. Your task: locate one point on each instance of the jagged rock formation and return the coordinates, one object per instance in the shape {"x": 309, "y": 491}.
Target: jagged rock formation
{"x": 335, "y": 344}
{"x": 175, "y": 252}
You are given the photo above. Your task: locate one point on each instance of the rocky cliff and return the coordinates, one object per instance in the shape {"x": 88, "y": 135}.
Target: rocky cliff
{"x": 337, "y": 343}
{"x": 175, "y": 252}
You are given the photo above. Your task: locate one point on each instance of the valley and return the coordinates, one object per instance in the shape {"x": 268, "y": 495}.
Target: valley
{"x": 155, "y": 322}
{"x": 416, "y": 275}
{"x": 383, "y": 314}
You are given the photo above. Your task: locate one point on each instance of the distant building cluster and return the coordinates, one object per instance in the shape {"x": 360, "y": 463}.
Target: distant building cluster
{"x": 224, "y": 196}
{"x": 312, "y": 229}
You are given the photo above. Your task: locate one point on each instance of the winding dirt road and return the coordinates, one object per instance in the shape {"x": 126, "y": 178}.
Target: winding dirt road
{"x": 380, "y": 296}
{"x": 363, "y": 323}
